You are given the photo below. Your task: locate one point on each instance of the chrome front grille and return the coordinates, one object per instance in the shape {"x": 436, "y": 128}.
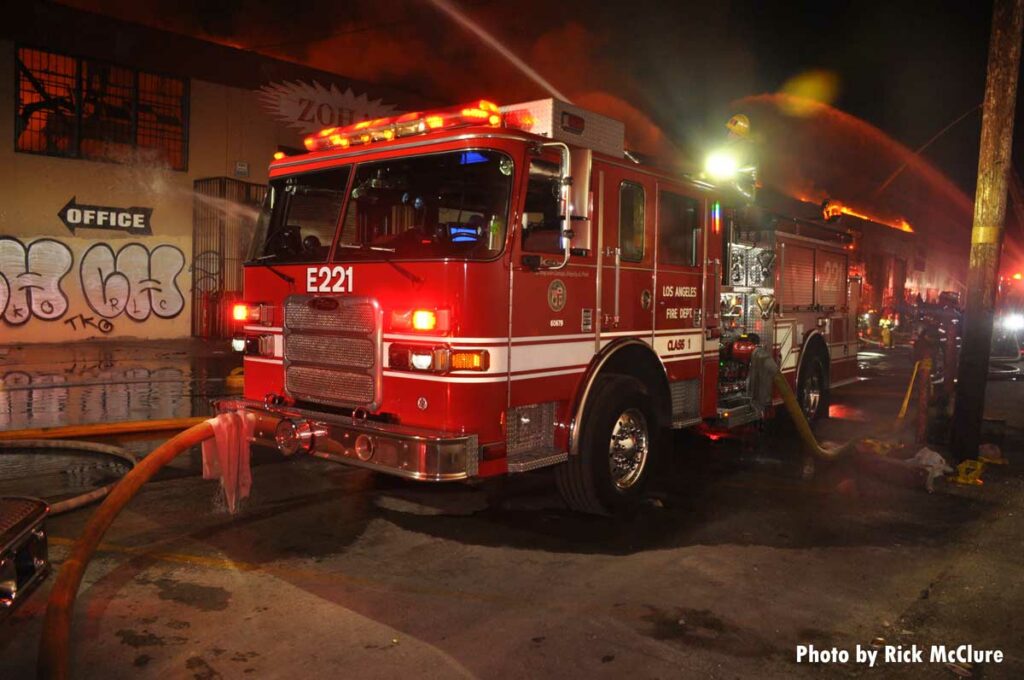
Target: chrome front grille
{"x": 332, "y": 350}
{"x": 329, "y": 386}
{"x": 348, "y": 317}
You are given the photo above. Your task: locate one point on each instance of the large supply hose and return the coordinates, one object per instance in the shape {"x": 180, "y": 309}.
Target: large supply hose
{"x": 102, "y": 429}
{"x": 55, "y": 646}
{"x": 46, "y": 445}
{"x": 803, "y": 428}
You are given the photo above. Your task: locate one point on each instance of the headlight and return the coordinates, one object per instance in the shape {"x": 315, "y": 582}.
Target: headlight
{"x": 1013, "y": 322}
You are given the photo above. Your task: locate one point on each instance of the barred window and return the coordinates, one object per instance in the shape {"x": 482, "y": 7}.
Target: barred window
{"x": 80, "y": 108}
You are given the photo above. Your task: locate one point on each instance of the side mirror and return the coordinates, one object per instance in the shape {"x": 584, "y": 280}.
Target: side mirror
{"x": 581, "y": 164}
{"x": 565, "y": 179}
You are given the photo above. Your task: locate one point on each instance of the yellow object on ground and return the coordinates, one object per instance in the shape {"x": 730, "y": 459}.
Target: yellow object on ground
{"x": 235, "y": 379}
{"x": 969, "y": 472}
{"x": 879, "y": 447}
{"x": 910, "y": 390}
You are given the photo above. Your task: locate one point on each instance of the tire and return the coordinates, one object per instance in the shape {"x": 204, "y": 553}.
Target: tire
{"x": 620, "y": 415}
{"x": 812, "y": 391}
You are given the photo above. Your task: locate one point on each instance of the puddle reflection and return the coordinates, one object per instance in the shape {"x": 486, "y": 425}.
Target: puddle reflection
{"x": 53, "y": 388}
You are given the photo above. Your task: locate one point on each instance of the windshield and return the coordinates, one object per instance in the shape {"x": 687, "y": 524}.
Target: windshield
{"x": 446, "y": 205}
{"x": 300, "y": 217}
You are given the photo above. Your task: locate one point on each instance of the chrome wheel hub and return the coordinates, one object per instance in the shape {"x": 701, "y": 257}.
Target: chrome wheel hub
{"x": 628, "y": 448}
{"x": 811, "y": 395}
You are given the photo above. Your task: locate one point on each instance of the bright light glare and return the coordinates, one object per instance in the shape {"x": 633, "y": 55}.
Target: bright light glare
{"x": 424, "y": 320}
{"x": 1013, "y": 322}
{"x": 422, "y": 361}
{"x": 721, "y": 165}
{"x": 240, "y": 312}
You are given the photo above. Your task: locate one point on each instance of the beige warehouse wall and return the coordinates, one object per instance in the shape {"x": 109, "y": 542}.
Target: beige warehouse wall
{"x": 58, "y": 286}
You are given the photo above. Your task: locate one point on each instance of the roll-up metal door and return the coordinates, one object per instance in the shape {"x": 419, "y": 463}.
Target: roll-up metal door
{"x": 831, "y": 279}
{"x": 797, "y": 276}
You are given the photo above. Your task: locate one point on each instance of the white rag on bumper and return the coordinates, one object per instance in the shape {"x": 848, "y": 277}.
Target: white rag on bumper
{"x": 226, "y": 456}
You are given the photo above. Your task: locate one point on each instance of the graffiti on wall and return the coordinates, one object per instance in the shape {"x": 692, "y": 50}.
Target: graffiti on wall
{"x": 135, "y": 281}
{"x": 132, "y": 280}
{"x": 206, "y": 271}
{"x": 30, "y": 279}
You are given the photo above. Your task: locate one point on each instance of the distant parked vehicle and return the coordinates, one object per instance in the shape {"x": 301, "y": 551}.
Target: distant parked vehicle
{"x": 1008, "y": 337}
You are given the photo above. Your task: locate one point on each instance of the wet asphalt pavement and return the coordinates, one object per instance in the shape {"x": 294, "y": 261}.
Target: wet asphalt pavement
{"x": 336, "y": 572}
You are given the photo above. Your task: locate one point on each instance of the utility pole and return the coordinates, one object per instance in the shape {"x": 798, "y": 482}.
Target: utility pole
{"x": 989, "y": 219}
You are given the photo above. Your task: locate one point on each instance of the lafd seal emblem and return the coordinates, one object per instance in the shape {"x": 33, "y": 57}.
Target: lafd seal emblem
{"x": 556, "y": 295}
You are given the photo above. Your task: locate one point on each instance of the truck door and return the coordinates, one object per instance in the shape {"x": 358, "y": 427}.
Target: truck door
{"x": 679, "y": 310}
{"x": 627, "y": 258}
{"x": 552, "y": 321}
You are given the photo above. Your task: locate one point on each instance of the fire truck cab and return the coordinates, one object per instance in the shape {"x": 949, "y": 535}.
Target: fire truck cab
{"x": 478, "y": 291}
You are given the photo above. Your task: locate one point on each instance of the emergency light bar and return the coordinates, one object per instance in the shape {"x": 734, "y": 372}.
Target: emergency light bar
{"x": 481, "y": 112}
{"x": 550, "y": 118}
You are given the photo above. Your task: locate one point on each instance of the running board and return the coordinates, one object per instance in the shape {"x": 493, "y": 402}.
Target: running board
{"x": 524, "y": 462}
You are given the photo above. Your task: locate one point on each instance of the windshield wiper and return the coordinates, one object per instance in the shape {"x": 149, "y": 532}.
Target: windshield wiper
{"x": 363, "y": 246}
{"x": 384, "y": 249}
{"x": 280, "y": 274}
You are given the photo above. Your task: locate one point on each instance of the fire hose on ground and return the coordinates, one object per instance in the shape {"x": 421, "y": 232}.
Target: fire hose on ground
{"x": 55, "y": 645}
{"x": 102, "y": 429}
{"x": 45, "y": 445}
{"x": 64, "y": 438}
{"x": 803, "y": 428}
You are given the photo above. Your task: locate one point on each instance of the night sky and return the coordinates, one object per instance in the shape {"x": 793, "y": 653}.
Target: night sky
{"x": 672, "y": 70}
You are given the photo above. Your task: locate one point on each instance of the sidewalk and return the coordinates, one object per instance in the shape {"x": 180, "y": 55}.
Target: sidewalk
{"x": 111, "y": 380}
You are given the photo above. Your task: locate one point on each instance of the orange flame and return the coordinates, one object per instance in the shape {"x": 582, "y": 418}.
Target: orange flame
{"x": 834, "y": 209}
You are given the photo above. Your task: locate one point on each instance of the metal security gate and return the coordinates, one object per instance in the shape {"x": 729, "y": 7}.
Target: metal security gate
{"x": 224, "y": 212}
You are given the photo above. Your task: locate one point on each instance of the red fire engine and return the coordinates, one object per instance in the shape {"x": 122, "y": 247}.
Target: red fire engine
{"x": 476, "y": 291}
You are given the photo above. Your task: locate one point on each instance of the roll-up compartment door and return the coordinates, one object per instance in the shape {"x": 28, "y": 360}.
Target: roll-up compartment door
{"x": 831, "y": 279}
{"x": 797, "y": 276}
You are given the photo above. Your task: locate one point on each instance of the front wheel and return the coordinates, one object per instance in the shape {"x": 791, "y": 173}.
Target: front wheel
{"x": 619, "y": 447}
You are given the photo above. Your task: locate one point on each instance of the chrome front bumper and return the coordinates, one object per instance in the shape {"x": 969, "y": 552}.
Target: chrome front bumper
{"x": 407, "y": 452}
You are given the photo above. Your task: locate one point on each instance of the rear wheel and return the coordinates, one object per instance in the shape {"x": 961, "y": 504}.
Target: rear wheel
{"x": 812, "y": 391}
{"x": 619, "y": 445}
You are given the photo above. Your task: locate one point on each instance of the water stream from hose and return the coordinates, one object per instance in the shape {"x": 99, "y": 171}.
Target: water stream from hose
{"x": 476, "y": 29}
